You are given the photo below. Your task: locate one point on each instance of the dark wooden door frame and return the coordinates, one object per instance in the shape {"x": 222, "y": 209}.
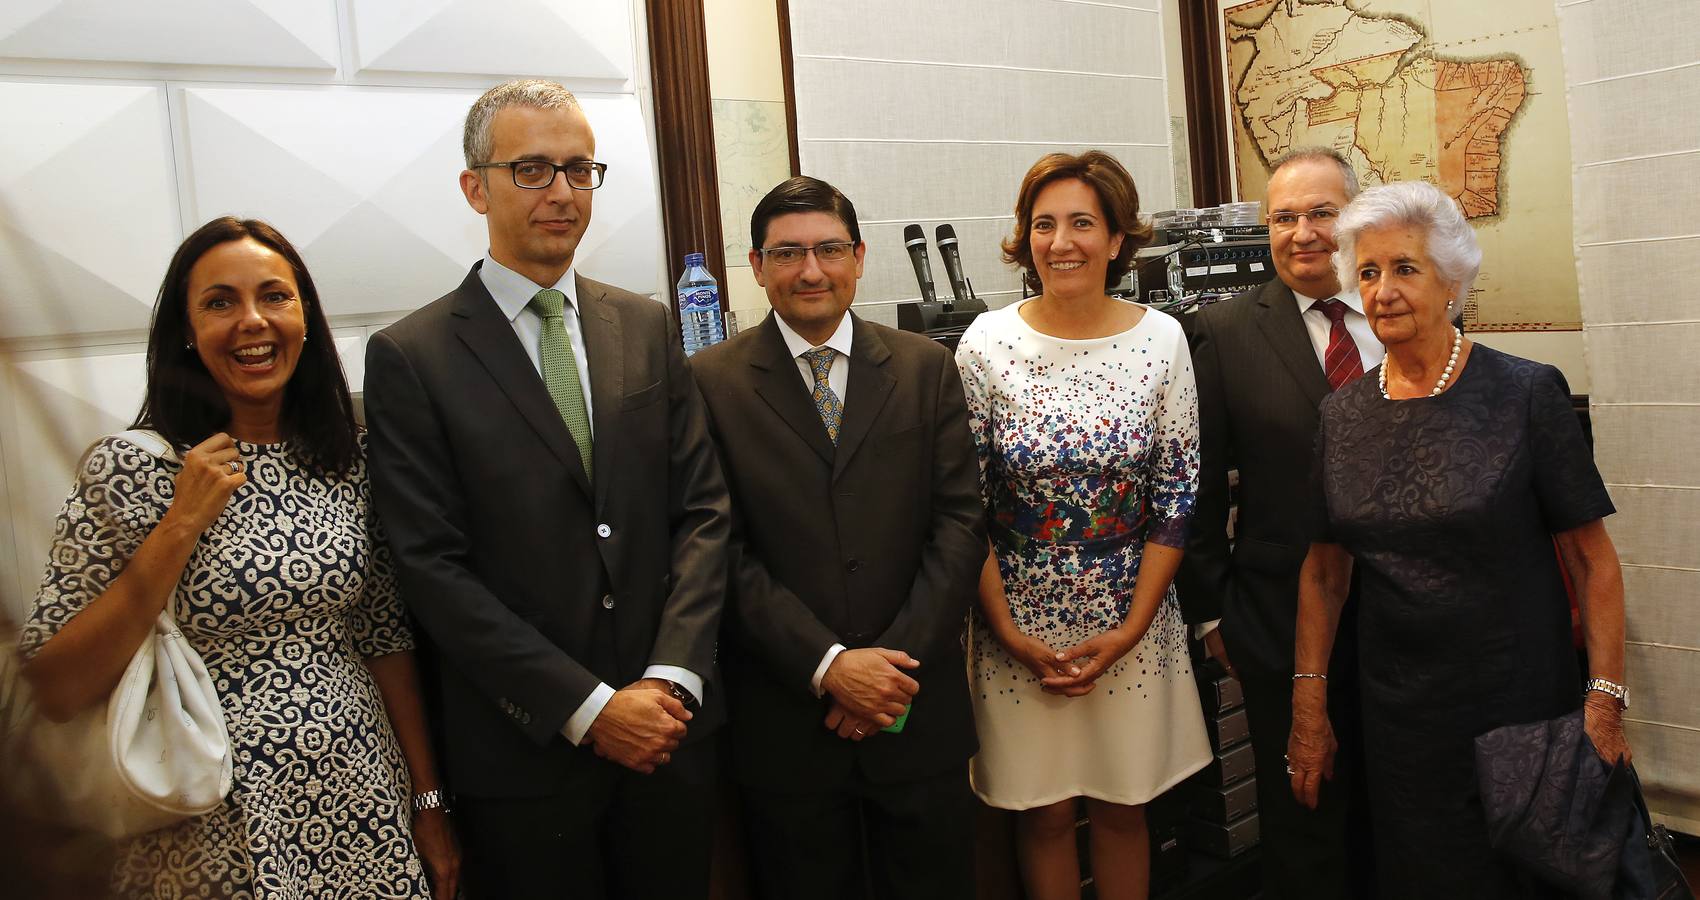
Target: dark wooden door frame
{"x": 1207, "y": 117}
{"x": 684, "y": 135}
{"x": 788, "y": 72}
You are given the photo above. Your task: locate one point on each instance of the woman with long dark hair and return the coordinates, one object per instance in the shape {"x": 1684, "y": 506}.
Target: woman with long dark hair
{"x": 255, "y": 530}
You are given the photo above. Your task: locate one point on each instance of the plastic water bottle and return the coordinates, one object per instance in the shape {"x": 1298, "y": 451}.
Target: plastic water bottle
{"x": 700, "y": 323}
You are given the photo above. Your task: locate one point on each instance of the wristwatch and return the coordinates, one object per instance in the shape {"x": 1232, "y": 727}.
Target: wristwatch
{"x": 681, "y": 695}
{"x": 1612, "y": 688}
{"x": 437, "y": 799}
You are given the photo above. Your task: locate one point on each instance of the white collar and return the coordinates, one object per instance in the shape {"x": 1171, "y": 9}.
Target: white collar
{"x": 794, "y": 342}
{"x": 512, "y": 291}
{"x": 1353, "y": 302}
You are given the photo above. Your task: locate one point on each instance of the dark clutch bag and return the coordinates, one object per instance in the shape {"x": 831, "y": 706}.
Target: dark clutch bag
{"x": 1554, "y": 806}
{"x": 1650, "y": 869}
{"x": 1566, "y": 817}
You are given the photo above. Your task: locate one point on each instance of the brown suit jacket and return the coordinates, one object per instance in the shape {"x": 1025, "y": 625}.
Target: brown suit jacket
{"x": 532, "y": 583}
{"x": 878, "y": 541}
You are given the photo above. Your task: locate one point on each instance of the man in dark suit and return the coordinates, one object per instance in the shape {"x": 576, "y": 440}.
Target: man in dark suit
{"x": 1264, "y": 361}
{"x": 558, "y": 519}
{"x": 858, "y": 541}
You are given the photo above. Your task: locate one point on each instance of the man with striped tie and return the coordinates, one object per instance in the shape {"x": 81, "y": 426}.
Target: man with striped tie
{"x": 558, "y": 522}
{"x": 858, "y": 541}
{"x": 1264, "y": 361}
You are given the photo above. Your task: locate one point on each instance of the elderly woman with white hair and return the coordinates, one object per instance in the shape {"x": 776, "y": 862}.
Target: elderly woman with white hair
{"x": 1443, "y": 478}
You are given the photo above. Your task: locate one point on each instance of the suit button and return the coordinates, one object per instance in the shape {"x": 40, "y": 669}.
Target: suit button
{"x": 603, "y": 530}
{"x": 607, "y": 601}
{"x": 852, "y": 565}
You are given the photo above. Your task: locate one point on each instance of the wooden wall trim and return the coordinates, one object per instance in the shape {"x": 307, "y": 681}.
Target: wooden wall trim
{"x": 783, "y": 7}
{"x": 1207, "y": 118}
{"x": 684, "y": 136}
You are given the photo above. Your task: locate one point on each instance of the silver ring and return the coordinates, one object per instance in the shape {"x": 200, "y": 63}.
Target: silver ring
{"x": 1290, "y": 771}
{"x": 235, "y": 466}
{"x": 861, "y": 733}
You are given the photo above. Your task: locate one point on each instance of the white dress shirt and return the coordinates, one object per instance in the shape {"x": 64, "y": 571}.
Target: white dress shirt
{"x": 1317, "y": 325}
{"x": 512, "y": 292}
{"x": 837, "y": 378}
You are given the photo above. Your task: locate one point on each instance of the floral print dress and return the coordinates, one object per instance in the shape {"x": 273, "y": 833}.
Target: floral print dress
{"x": 286, "y": 592}
{"x": 1087, "y": 449}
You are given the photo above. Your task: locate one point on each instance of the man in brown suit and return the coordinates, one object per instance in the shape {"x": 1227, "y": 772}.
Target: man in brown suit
{"x": 858, "y": 538}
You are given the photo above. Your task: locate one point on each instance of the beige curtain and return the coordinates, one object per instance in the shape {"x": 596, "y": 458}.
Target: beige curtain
{"x": 1632, "y": 78}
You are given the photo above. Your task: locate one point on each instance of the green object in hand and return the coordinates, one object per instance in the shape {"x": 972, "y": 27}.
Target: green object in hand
{"x": 897, "y": 726}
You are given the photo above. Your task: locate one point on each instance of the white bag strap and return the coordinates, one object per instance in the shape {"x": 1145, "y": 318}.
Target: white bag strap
{"x": 153, "y": 442}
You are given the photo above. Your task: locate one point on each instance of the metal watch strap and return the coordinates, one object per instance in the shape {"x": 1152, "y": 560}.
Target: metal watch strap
{"x": 1609, "y": 688}
{"x": 431, "y": 800}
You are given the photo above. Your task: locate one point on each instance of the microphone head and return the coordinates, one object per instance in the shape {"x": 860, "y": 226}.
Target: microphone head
{"x": 913, "y": 233}
{"x": 945, "y": 234}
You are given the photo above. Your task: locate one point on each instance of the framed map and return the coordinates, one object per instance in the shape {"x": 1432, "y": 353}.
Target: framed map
{"x": 1446, "y": 91}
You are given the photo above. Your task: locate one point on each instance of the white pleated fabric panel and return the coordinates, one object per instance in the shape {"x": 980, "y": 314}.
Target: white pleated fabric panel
{"x": 1632, "y": 77}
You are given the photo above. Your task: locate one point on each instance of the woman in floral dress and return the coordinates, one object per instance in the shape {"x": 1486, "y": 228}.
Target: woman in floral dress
{"x": 1085, "y": 418}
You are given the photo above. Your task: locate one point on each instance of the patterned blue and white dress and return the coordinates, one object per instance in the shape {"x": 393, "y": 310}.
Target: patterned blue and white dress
{"x": 287, "y": 591}
{"x": 1088, "y": 448}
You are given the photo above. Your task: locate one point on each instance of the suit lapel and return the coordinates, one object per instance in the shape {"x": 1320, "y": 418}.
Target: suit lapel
{"x": 490, "y": 337}
{"x": 781, "y": 387}
{"x": 1278, "y": 316}
{"x": 600, "y": 321}
{"x": 865, "y": 392}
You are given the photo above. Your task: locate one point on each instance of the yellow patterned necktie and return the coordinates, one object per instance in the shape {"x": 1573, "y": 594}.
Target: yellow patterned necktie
{"x": 560, "y": 370}
{"x": 826, "y": 402}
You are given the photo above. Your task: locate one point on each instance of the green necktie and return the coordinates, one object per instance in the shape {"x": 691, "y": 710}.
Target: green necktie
{"x": 560, "y": 370}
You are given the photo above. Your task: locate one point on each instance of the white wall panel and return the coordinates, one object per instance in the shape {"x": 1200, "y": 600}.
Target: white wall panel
{"x": 299, "y": 34}
{"x": 539, "y": 38}
{"x": 87, "y": 207}
{"x": 933, "y": 112}
{"x": 364, "y": 182}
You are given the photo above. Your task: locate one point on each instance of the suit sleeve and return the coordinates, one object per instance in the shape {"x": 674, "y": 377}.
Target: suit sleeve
{"x": 956, "y": 546}
{"x": 1203, "y": 580}
{"x": 420, "y": 498}
{"x": 699, "y": 513}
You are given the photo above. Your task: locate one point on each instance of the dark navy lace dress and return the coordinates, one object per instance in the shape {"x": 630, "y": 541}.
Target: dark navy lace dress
{"x": 1448, "y": 506}
{"x": 286, "y": 592}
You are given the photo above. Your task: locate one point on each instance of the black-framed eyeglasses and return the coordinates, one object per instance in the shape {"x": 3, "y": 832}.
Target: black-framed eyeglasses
{"x": 829, "y": 252}
{"x": 537, "y": 174}
{"x": 1287, "y": 220}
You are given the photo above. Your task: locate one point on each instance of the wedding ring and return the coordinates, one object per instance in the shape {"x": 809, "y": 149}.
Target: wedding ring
{"x": 859, "y": 733}
{"x": 235, "y": 466}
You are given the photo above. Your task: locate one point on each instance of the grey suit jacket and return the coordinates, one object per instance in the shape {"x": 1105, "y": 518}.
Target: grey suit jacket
{"x": 532, "y": 583}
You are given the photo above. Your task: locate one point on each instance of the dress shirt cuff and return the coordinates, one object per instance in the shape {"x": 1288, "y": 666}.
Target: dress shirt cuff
{"x": 685, "y": 678}
{"x": 579, "y": 724}
{"x": 1202, "y": 629}
{"x": 820, "y": 670}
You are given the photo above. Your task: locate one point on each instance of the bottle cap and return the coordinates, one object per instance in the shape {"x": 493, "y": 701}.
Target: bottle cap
{"x": 693, "y": 259}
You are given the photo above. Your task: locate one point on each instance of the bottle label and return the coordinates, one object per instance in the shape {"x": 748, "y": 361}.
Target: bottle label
{"x": 699, "y": 300}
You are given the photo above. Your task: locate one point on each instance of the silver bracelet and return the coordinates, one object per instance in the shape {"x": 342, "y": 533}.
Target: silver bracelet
{"x": 1298, "y": 675}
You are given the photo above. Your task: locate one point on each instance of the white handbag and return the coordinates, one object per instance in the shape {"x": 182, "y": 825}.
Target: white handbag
{"x": 156, "y": 752}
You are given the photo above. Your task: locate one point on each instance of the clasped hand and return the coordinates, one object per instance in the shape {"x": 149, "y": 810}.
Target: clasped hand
{"x": 640, "y": 727}
{"x": 869, "y": 690}
{"x": 1073, "y": 672}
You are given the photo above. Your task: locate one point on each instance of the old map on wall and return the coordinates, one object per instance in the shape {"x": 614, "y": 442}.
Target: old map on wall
{"x": 1446, "y": 91}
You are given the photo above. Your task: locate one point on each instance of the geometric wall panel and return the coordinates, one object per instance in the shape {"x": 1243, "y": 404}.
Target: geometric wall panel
{"x": 300, "y": 34}
{"x": 87, "y": 207}
{"x": 364, "y": 182}
{"x": 573, "y": 39}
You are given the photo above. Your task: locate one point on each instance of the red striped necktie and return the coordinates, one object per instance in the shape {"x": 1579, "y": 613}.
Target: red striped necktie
{"x": 1341, "y": 363}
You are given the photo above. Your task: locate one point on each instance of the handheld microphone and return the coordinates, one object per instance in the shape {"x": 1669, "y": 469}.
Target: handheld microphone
{"x": 953, "y": 265}
{"x": 916, "y": 242}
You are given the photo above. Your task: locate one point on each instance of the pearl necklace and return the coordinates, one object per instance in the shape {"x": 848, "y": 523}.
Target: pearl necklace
{"x": 1451, "y": 362}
